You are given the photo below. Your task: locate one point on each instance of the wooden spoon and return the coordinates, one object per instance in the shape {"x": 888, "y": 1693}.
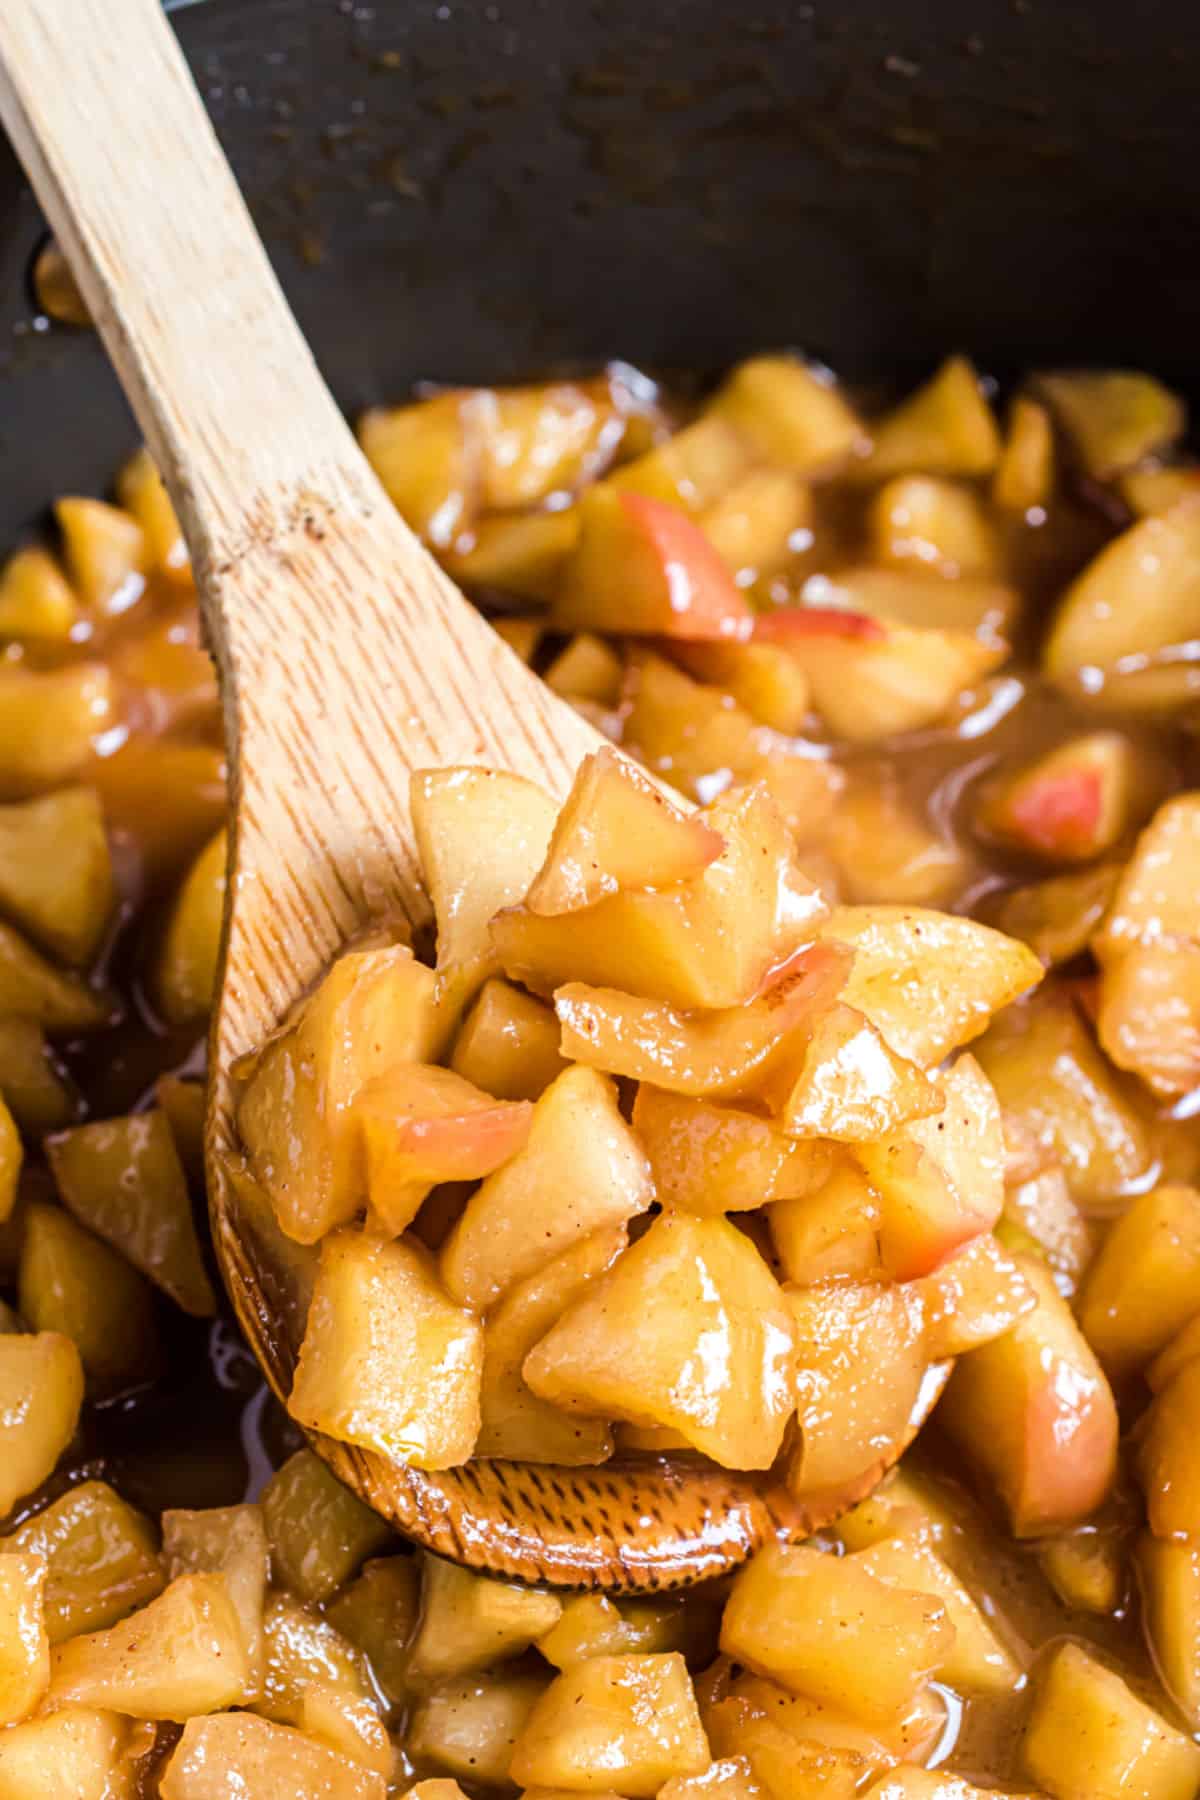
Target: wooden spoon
{"x": 346, "y": 660}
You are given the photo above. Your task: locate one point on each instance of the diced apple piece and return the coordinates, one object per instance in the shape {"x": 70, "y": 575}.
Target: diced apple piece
{"x": 421, "y": 455}
{"x": 515, "y": 1423}
{"x": 588, "y": 669}
{"x": 1139, "y": 596}
{"x": 815, "y": 1623}
{"x": 763, "y": 679}
{"x": 374, "y": 1009}
{"x": 56, "y": 878}
{"x": 923, "y": 521}
{"x": 693, "y": 468}
{"x": 11, "y": 1157}
{"x": 831, "y": 1232}
{"x": 1144, "y": 1284}
{"x": 977, "y": 1661}
{"x": 941, "y": 1179}
{"x": 132, "y": 782}
{"x": 1148, "y": 1015}
{"x": 581, "y": 1170}
{"x": 1169, "y": 1582}
{"x": 1076, "y": 801}
{"x": 871, "y": 684}
{"x": 1155, "y": 901}
{"x": 105, "y": 553}
{"x": 885, "y": 849}
{"x": 388, "y": 1361}
{"x": 422, "y": 1125}
{"x": 538, "y": 439}
{"x": 754, "y": 525}
{"x": 1047, "y": 1072}
{"x": 1159, "y": 490}
{"x": 642, "y": 567}
{"x": 49, "y": 719}
{"x": 1168, "y": 1456}
{"x": 301, "y": 1647}
{"x": 1024, "y": 476}
{"x": 70, "y": 1282}
{"x": 1088, "y": 1567}
{"x": 34, "y": 1087}
{"x": 1112, "y": 418}
{"x": 41, "y": 1392}
{"x": 708, "y": 942}
{"x": 631, "y": 1720}
{"x": 180, "y": 1655}
{"x": 860, "y": 1363}
{"x": 349, "y": 1724}
{"x": 763, "y": 1718}
{"x": 928, "y": 981}
{"x": 519, "y": 553}
{"x": 945, "y": 428}
{"x": 1034, "y": 1413}
{"x": 708, "y": 1159}
{"x": 123, "y": 1179}
{"x": 236, "y": 1753}
{"x": 482, "y": 835}
{"x": 861, "y": 602}
{"x": 590, "y": 1625}
{"x": 77, "y": 1751}
{"x": 470, "y": 1725}
{"x": 508, "y": 1043}
{"x": 143, "y": 495}
{"x": 230, "y": 1541}
{"x": 1182, "y": 1349}
{"x": 616, "y": 830}
{"x": 101, "y": 1556}
{"x": 24, "y": 1646}
{"x": 186, "y": 977}
{"x": 1089, "y": 1737}
{"x": 1058, "y": 917}
{"x": 978, "y": 1294}
{"x": 37, "y": 602}
{"x": 849, "y": 1085}
{"x": 32, "y": 988}
{"x": 169, "y": 676}
{"x": 377, "y": 1613}
{"x": 471, "y": 1621}
{"x": 906, "y": 1783}
{"x": 715, "y": 1343}
{"x": 1045, "y": 1209}
{"x": 726, "y": 1052}
{"x": 791, "y": 412}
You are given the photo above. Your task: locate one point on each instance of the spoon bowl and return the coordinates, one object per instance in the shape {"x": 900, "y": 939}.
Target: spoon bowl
{"x": 347, "y": 660}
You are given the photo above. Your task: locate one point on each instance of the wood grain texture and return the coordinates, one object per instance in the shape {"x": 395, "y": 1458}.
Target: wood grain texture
{"x": 346, "y": 661}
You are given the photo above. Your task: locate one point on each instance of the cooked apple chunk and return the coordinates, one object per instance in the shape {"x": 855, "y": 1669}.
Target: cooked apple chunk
{"x": 186, "y": 977}
{"x": 469, "y": 1725}
{"x": 515, "y": 1423}
{"x": 630, "y": 1720}
{"x": 978, "y": 1661}
{"x": 482, "y": 836}
{"x": 1089, "y": 1737}
{"x": 470, "y": 1621}
{"x": 236, "y": 1753}
{"x": 976, "y": 1295}
{"x": 940, "y": 1180}
{"x": 581, "y": 1170}
{"x": 1033, "y": 1411}
{"x": 1168, "y": 1456}
{"x": 388, "y": 1361}
{"x": 1113, "y": 419}
{"x": 508, "y": 1043}
{"x": 230, "y": 1541}
{"x": 181, "y": 1655}
{"x": 849, "y": 1085}
{"x": 792, "y": 413}
{"x": 728, "y": 1053}
{"x": 929, "y": 982}
{"x": 56, "y": 878}
{"x": 422, "y": 1125}
{"x": 616, "y": 830}
{"x": 707, "y": 1158}
{"x": 1144, "y": 1284}
{"x": 1076, "y": 801}
{"x": 860, "y": 1361}
{"x": 709, "y": 941}
{"x": 374, "y": 1009}
{"x": 945, "y": 428}
{"x": 101, "y": 1559}
{"x": 24, "y": 1646}
{"x": 833, "y": 1231}
{"x": 41, "y": 1393}
{"x": 79, "y": 1751}
{"x": 318, "y": 1531}
{"x": 815, "y": 1623}
{"x": 713, "y": 1353}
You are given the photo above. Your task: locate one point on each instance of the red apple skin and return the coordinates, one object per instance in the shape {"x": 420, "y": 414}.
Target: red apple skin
{"x": 704, "y": 602}
{"x": 1033, "y": 1412}
{"x": 915, "y": 1242}
{"x": 817, "y": 622}
{"x": 466, "y": 1146}
{"x": 1061, "y": 813}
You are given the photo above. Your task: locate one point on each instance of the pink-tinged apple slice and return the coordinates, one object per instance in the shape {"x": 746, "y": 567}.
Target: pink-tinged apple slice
{"x": 797, "y": 622}
{"x": 1077, "y": 801}
{"x": 422, "y": 1125}
{"x": 1034, "y": 1413}
{"x": 643, "y": 567}
{"x": 617, "y": 830}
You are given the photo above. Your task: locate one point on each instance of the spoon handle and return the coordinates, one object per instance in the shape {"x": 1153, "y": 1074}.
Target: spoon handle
{"x": 102, "y": 110}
